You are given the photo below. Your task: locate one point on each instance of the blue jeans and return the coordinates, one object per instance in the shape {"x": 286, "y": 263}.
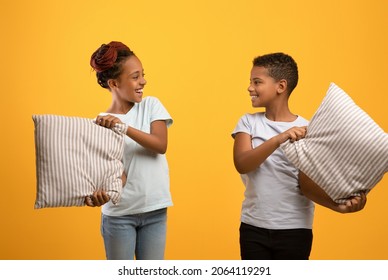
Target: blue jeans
{"x": 141, "y": 235}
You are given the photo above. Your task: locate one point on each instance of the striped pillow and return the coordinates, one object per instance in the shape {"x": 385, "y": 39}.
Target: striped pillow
{"x": 344, "y": 151}
{"x": 75, "y": 157}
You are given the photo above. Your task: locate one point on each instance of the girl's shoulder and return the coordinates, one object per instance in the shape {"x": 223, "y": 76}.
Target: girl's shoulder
{"x": 150, "y": 101}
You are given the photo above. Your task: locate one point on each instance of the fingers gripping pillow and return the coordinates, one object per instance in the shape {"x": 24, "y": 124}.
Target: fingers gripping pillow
{"x": 344, "y": 151}
{"x": 74, "y": 158}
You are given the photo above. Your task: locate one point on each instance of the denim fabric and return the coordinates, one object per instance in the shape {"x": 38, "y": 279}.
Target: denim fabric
{"x": 141, "y": 235}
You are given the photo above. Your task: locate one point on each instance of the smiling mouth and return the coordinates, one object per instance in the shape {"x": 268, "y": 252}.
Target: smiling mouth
{"x": 140, "y": 91}
{"x": 254, "y": 97}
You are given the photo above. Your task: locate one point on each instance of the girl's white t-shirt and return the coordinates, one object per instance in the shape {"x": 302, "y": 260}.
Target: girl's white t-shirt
{"x": 273, "y": 199}
{"x": 148, "y": 183}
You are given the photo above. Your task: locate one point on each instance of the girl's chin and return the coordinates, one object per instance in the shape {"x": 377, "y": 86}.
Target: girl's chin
{"x": 137, "y": 99}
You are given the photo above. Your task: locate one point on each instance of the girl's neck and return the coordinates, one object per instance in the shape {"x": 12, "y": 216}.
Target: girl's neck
{"x": 120, "y": 107}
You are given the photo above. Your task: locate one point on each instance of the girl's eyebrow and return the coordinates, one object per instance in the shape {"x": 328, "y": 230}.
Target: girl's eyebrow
{"x": 136, "y": 72}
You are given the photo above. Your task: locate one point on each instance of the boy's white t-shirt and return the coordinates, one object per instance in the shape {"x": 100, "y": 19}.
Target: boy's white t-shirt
{"x": 148, "y": 183}
{"x": 273, "y": 199}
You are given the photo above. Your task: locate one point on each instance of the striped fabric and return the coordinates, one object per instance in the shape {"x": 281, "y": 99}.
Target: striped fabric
{"x": 344, "y": 151}
{"x": 75, "y": 157}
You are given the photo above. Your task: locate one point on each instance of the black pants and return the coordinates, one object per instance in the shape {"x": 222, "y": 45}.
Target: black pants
{"x": 267, "y": 244}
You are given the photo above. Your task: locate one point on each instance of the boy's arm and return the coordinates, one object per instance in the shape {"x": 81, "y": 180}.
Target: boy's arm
{"x": 247, "y": 159}
{"x": 315, "y": 193}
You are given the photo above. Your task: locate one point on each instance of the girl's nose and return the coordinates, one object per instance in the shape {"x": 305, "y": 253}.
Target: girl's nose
{"x": 143, "y": 81}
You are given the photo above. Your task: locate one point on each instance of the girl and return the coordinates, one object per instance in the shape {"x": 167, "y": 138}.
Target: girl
{"x": 136, "y": 226}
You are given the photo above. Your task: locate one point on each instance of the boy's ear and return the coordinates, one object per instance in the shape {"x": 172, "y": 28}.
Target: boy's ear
{"x": 282, "y": 86}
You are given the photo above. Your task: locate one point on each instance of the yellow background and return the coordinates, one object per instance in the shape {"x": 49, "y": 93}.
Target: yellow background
{"x": 197, "y": 56}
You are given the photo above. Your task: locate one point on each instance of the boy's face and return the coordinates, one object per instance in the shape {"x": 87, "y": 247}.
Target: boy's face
{"x": 263, "y": 88}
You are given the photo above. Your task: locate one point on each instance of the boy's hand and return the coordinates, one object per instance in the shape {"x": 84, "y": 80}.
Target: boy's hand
{"x": 294, "y": 134}
{"x": 353, "y": 204}
{"x": 98, "y": 198}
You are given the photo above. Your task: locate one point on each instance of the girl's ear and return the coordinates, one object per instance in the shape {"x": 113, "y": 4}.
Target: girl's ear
{"x": 112, "y": 83}
{"x": 282, "y": 86}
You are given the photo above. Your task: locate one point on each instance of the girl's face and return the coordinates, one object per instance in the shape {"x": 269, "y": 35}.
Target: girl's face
{"x": 130, "y": 83}
{"x": 262, "y": 88}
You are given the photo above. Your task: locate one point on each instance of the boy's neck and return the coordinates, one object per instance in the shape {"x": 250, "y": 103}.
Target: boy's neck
{"x": 280, "y": 115}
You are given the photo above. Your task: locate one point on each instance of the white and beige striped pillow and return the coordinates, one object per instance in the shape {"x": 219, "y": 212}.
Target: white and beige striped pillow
{"x": 75, "y": 157}
{"x": 344, "y": 151}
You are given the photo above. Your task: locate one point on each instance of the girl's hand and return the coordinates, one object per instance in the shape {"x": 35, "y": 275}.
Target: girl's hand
{"x": 108, "y": 121}
{"x": 98, "y": 198}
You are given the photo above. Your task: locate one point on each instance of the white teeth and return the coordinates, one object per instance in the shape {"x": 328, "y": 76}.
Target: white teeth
{"x": 253, "y": 97}
{"x": 139, "y": 90}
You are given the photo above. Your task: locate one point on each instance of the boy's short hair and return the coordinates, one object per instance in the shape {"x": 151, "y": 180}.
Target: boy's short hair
{"x": 279, "y": 66}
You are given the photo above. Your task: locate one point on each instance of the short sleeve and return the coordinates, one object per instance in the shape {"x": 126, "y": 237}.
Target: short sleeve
{"x": 243, "y": 125}
{"x": 159, "y": 112}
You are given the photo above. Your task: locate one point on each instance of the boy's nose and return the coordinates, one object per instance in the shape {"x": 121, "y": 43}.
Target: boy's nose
{"x": 143, "y": 81}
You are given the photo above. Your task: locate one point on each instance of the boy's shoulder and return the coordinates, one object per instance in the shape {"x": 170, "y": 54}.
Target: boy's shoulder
{"x": 259, "y": 117}
{"x": 302, "y": 120}
{"x": 256, "y": 115}
{"x": 251, "y": 117}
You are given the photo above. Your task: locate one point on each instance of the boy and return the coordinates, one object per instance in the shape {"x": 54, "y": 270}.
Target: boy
{"x": 277, "y": 213}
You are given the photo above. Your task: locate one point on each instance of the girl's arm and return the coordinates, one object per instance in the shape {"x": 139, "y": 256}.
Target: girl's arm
{"x": 247, "y": 159}
{"x": 155, "y": 141}
{"x": 319, "y": 196}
